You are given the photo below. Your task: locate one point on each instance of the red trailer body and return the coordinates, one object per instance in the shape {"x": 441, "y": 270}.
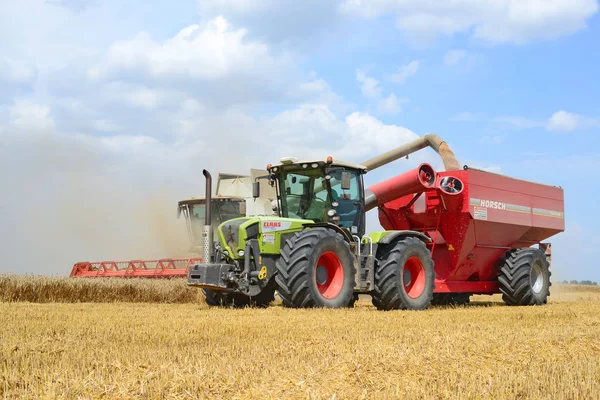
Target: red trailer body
{"x": 473, "y": 229}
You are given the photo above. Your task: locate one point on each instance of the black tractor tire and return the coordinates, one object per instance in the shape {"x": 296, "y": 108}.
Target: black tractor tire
{"x": 524, "y": 278}
{"x": 391, "y": 292}
{"x": 450, "y": 299}
{"x": 264, "y": 298}
{"x": 353, "y": 301}
{"x": 212, "y": 298}
{"x": 301, "y": 282}
{"x": 238, "y": 300}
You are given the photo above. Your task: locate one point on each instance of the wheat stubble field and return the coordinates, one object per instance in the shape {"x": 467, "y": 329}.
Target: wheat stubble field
{"x": 53, "y": 348}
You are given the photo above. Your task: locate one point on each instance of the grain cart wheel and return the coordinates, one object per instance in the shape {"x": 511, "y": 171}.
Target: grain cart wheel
{"x": 404, "y": 277}
{"x": 316, "y": 269}
{"x": 451, "y": 299}
{"x": 525, "y": 278}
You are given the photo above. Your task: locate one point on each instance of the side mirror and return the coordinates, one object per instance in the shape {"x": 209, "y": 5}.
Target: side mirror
{"x": 243, "y": 208}
{"x": 346, "y": 180}
{"x": 256, "y": 189}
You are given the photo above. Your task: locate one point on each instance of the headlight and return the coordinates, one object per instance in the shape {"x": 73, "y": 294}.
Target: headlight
{"x": 226, "y": 252}
{"x": 314, "y": 165}
{"x": 304, "y": 165}
{"x": 335, "y": 204}
{"x": 331, "y": 213}
{"x": 241, "y": 253}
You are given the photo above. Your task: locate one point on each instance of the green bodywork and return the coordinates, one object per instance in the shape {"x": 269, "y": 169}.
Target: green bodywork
{"x": 377, "y": 237}
{"x": 272, "y": 231}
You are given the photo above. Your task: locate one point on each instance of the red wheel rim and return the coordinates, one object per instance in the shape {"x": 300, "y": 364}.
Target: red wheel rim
{"x": 413, "y": 277}
{"x": 329, "y": 275}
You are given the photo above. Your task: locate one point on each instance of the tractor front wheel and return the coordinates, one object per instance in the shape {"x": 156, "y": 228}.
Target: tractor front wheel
{"x": 404, "y": 276}
{"x": 316, "y": 269}
{"x": 525, "y": 278}
{"x": 239, "y": 300}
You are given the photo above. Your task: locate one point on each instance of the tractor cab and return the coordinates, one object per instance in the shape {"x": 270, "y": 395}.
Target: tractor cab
{"x": 324, "y": 191}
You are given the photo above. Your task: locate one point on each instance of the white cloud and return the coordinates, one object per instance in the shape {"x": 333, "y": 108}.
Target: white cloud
{"x": 368, "y": 136}
{"x": 143, "y": 97}
{"x": 560, "y": 121}
{"x": 564, "y": 121}
{"x": 390, "y": 104}
{"x": 31, "y": 118}
{"x": 128, "y": 143}
{"x": 369, "y": 86}
{"x": 105, "y": 125}
{"x": 17, "y": 71}
{"x": 314, "y": 90}
{"x": 405, "y": 72}
{"x": 206, "y": 51}
{"x": 453, "y": 57}
{"x": 502, "y": 21}
{"x": 291, "y": 23}
{"x": 370, "y": 89}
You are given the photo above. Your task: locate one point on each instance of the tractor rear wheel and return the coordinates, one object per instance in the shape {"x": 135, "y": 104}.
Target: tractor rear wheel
{"x": 525, "y": 278}
{"x": 404, "y": 277}
{"x": 451, "y": 299}
{"x": 316, "y": 269}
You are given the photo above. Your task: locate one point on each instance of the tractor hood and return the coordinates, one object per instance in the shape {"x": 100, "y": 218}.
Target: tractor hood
{"x": 271, "y": 233}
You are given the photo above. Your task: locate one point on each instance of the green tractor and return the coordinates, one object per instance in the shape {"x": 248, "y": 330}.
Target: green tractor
{"x": 315, "y": 253}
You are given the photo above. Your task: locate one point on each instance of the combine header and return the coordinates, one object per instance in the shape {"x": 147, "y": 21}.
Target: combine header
{"x": 447, "y": 236}
{"x": 165, "y": 268}
{"x": 233, "y": 200}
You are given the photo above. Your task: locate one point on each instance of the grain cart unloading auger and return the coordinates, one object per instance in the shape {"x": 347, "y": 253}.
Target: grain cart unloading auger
{"x": 448, "y": 235}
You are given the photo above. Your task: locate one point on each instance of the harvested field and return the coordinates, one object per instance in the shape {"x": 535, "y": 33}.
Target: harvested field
{"x": 124, "y": 350}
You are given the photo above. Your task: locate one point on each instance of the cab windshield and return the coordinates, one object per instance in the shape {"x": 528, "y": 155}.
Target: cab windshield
{"x": 306, "y": 194}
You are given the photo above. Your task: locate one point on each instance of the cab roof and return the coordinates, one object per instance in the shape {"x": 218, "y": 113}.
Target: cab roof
{"x": 287, "y": 161}
{"x": 202, "y": 199}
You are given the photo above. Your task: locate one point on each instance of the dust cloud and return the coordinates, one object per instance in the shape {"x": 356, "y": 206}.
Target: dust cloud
{"x": 68, "y": 199}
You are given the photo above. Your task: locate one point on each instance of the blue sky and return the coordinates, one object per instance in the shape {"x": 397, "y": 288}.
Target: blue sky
{"x": 109, "y": 110}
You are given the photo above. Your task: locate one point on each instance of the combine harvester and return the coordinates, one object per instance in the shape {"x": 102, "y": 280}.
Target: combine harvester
{"x": 447, "y": 236}
{"x": 233, "y": 200}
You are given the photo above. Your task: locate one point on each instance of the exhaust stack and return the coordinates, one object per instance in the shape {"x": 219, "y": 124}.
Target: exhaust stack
{"x": 418, "y": 180}
{"x": 207, "y": 232}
